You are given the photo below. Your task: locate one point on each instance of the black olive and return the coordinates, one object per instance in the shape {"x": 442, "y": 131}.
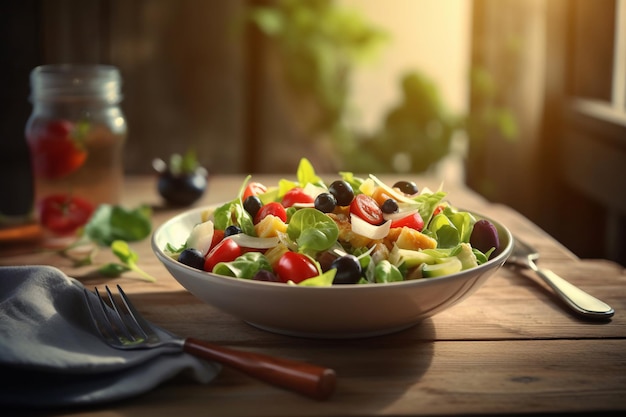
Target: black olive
{"x": 348, "y": 270}
{"x": 265, "y": 275}
{"x": 252, "y": 204}
{"x": 342, "y": 191}
{"x": 325, "y": 202}
{"x": 232, "y": 230}
{"x": 192, "y": 257}
{"x": 407, "y": 187}
{"x": 484, "y": 236}
{"x": 390, "y": 206}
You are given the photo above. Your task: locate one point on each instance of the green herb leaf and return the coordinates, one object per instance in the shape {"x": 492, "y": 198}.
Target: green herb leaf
{"x": 384, "y": 271}
{"x": 129, "y": 258}
{"x": 428, "y": 202}
{"x": 110, "y": 223}
{"x": 113, "y": 270}
{"x": 245, "y": 266}
{"x": 306, "y": 174}
{"x": 124, "y": 252}
{"x": 312, "y": 230}
{"x": 323, "y": 280}
{"x": 233, "y": 213}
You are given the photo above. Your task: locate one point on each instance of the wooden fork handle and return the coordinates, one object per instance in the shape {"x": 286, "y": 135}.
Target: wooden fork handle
{"x": 307, "y": 379}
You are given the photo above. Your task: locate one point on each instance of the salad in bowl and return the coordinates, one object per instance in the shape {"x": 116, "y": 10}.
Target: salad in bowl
{"x": 352, "y": 257}
{"x": 351, "y": 231}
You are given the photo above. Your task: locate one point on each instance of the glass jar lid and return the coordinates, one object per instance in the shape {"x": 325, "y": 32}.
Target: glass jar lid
{"x": 70, "y": 82}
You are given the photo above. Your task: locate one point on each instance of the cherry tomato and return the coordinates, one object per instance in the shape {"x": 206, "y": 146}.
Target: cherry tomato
{"x": 366, "y": 208}
{"x": 296, "y": 195}
{"x": 413, "y": 221}
{"x": 273, "y": 208}
{"x": 55, "y": 151}
{"x": 253, "y": 188}
{"x": 63, "y": 214}
{"x": 225, "y": 251}
{"x": 218, "y": 236}
{"x": 296, "y": 267}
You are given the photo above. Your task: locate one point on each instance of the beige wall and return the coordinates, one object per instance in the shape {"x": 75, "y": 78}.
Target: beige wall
{"x": 432, "y": 36}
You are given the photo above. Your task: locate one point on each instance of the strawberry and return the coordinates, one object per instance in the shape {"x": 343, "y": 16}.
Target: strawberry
{"x": 57, "y": 149}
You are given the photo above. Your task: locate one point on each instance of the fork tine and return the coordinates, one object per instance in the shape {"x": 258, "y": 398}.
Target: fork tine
{"x": 118, "y": 317}
{"x": 140, "y": 323}
{"x": 99, "y": 318}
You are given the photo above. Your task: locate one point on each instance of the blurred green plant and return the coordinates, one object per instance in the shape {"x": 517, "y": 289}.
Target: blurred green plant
{"x": 419, "y": 130}
{"x": 416, "y": 132}
{"x": 489, "y": 114}
{"x": 321, "y": 43}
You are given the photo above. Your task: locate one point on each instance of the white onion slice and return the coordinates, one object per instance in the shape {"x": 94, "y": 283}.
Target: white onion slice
{"x": 304, "y": 205}
{"x": 201, "y": 237}
{"x": 400, "y": 214}
{"x": 254, "y": 242}
{"x": 363, "y": 228}
{"x": 313, "y": 190}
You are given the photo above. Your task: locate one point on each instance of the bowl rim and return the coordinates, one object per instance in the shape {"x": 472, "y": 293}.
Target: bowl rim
{"x": 499, "y": 259}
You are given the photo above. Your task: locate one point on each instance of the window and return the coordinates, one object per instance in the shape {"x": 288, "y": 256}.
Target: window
{"x": 598, "y": 83}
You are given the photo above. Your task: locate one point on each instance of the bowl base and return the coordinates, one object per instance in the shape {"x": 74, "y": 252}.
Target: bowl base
{"x": 332, "y": 335}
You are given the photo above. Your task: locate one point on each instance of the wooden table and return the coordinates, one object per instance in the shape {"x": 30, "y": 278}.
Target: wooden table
{"x": 510, "y": 348}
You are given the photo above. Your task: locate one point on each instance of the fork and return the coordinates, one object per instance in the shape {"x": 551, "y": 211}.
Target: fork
{"x": 122, "y": 327}
{"x": 584, "y": 304}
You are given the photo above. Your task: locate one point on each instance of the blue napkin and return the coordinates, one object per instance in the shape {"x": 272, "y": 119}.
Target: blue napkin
{"x": 50, "y": 354}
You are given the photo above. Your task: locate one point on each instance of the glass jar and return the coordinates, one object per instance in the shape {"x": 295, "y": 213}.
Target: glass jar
{"x": 76, "y": 133}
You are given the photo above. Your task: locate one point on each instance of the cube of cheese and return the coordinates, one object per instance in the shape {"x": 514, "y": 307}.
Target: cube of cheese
{"x": 412, "y": 239}
{"x": 270, "y": 226}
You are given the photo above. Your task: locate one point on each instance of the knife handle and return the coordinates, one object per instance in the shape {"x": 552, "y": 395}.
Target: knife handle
{"x": 582, "y": 302}
{"x": 302, "y": 377}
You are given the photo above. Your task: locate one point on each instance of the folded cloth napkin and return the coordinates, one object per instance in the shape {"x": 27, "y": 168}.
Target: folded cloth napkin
{"x": 50, "y": 354}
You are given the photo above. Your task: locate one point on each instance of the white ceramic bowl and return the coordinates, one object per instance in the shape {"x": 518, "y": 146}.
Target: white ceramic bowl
{"x": 342, "y": 311}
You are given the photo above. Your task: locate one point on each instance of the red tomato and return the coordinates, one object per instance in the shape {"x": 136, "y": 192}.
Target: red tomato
{"x": 253, "y": 188}
{"x": 295, "y": 267}
{"x": 218, "y": 236}
{"x": 225, "y": 251}
{"x": 366, "y": 208}
{"x": 59, "y": 128}
{"x": 414, "y": 221}
{"x": 273, "y": 208}
{"x": 55, "y": 152}
{"x": 296, "y": 195}
{"x": 63, "y": 214}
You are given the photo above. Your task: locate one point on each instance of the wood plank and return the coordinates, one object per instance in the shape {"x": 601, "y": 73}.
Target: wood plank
{"x": 492, "y": 377}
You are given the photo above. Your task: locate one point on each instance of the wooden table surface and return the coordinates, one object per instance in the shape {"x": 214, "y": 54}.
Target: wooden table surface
{"x": 510, "y": 348}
